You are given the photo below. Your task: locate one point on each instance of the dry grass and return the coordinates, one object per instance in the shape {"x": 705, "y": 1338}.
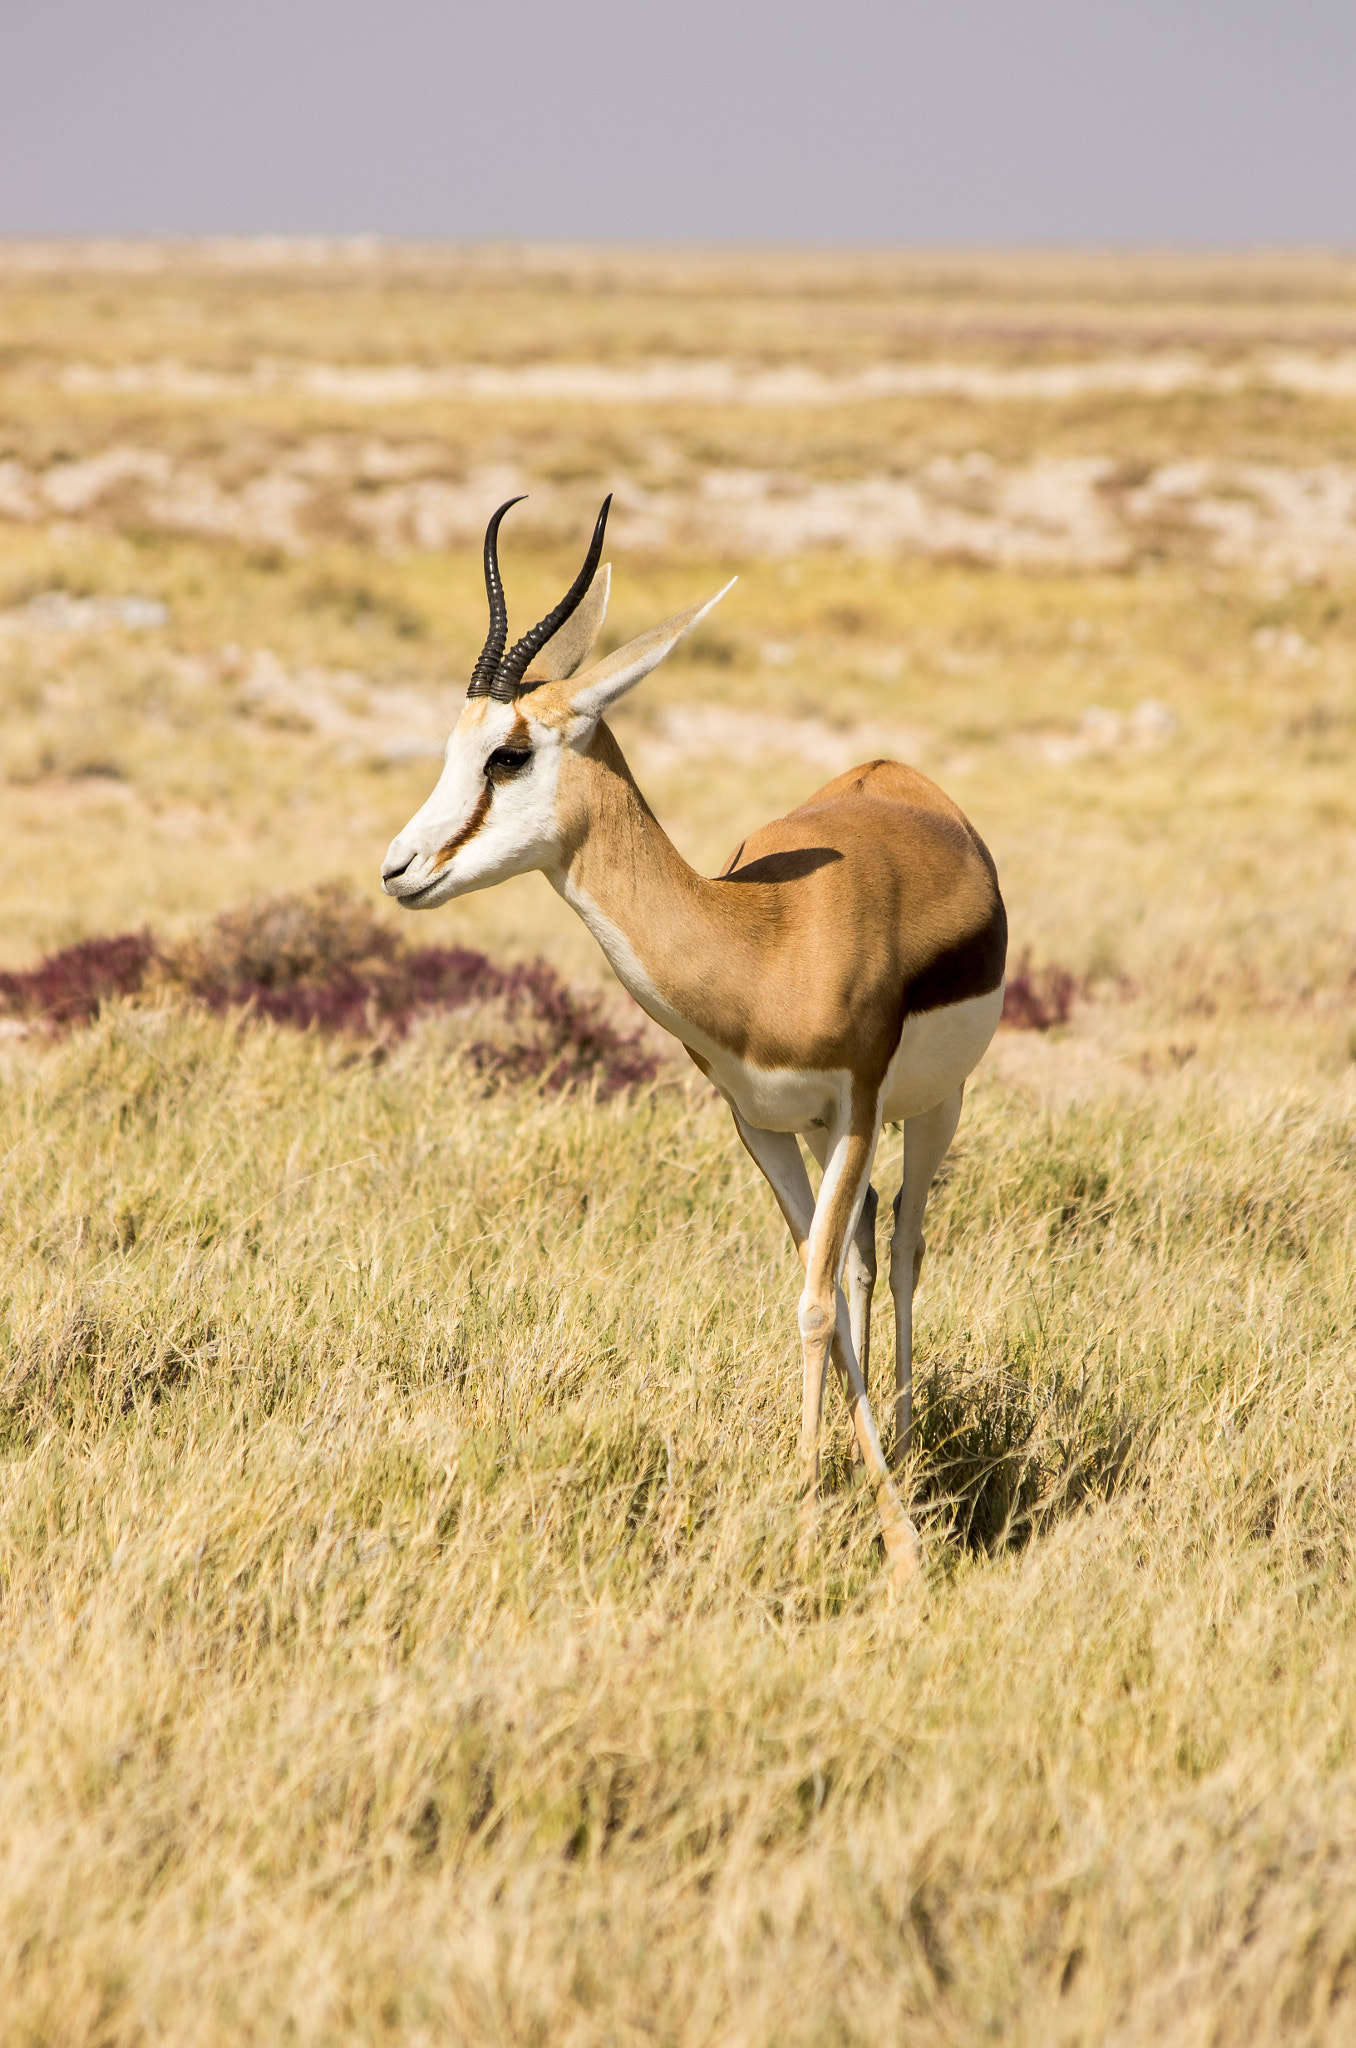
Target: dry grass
{"x": 402, "y": 1639}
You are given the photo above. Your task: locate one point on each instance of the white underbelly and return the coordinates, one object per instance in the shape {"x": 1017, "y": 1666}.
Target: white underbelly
{"x": 936, "y": 1051}
{"x": 780, "y": 1098}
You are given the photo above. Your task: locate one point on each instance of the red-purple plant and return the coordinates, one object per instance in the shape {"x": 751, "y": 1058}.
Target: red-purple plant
{"x": 1036, "y": 999}
{"x": 69, "y": 986}
{"x": 323, "y": 962}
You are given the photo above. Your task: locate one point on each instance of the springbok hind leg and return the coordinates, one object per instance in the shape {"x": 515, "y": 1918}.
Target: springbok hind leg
{"x": 926, "y": 1139}
{"x": 861, "y": 1276}
{"x": 824, "y": 1325}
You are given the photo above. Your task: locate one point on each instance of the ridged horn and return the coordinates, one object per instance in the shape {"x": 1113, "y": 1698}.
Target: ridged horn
{"x": 492, "y": 653}
{"x": 509, "y": 682}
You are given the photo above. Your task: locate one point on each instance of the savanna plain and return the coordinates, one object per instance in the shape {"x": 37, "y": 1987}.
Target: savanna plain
{"x": 403, "y": 1638}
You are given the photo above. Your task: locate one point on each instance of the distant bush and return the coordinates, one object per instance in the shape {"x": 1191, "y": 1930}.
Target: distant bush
{"x": 322, "y": 961}
{"x": 68, "y": 987}
{"x": 1036, "y": 999}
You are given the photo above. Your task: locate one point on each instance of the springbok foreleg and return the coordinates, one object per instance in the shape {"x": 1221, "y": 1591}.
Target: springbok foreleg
{"x": 778, "y": 1156}
{"x": 861, "y": 1279}
{"x": 926, "y": 1139}
{"x": 819, "y": 1232}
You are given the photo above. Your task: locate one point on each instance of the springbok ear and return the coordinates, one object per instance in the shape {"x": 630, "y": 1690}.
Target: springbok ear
{"x": 601, "y": 686}
{"x": 565, "y": 650}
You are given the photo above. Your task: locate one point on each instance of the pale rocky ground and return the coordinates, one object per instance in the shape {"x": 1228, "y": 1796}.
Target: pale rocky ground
{"x": 1053, "y": 513}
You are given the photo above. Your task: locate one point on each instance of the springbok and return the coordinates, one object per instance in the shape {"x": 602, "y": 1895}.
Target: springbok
{"x": 843, "y": 971}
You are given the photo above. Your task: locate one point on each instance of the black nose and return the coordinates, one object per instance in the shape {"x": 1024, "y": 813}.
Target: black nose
{"x": 389, "y": 869}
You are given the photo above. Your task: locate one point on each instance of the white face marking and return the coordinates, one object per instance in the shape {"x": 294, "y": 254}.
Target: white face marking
{"x": 496, "y": 818}
{"x": 477, "y": 829}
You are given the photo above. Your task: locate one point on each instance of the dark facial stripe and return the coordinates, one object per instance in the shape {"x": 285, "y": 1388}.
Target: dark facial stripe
{"x": 468, "y": 830}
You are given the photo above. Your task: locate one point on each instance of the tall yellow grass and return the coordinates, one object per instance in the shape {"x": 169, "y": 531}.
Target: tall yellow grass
{"x": 402, "y": 1635}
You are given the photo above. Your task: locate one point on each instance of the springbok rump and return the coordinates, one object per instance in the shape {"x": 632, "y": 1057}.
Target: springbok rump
{"x": 843, "y": 971}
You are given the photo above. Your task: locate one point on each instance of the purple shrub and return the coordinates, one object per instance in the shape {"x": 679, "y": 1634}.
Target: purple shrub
{"x": 323, "y": 962}
{"x": 69, "y": 986}
{"x": 577, "y": 1042}
{"x": 1036, "y": 999}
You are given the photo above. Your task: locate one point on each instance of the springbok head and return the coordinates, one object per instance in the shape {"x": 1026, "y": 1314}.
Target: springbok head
{"x": 496, "y": 810}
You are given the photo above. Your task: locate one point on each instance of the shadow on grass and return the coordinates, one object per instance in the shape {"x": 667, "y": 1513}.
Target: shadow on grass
{"x": 999, "y": 1458}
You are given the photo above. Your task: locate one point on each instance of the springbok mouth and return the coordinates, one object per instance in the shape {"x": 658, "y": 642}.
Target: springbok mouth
{"x": 408, "y": 899}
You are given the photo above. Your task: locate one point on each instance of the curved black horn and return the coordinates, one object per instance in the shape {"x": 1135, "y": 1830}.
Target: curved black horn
{"x": 509, "y": 681}
{"x": 492, "y": 653}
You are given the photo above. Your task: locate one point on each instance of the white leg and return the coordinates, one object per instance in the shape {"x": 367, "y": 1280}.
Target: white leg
{"x": 861, "y": 1279}
{"x": 820, "y": 1231}
{"x": 926, "y": 1139}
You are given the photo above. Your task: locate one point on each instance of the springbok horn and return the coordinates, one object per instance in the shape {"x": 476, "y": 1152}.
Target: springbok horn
{"x": 509, "y": 682}
{"x": 492, "y": 653}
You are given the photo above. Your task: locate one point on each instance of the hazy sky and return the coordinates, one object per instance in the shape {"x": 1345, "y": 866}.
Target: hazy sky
{"x": 867, "y": 121}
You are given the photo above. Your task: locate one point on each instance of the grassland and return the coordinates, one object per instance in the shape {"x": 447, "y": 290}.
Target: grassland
{"x": 402, "y": 1634}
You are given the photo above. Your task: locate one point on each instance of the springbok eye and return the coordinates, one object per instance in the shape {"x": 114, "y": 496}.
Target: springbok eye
{"x": 506, "y": 762}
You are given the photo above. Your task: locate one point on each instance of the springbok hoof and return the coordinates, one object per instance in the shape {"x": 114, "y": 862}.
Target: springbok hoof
{"x": 904, "y": 1551}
